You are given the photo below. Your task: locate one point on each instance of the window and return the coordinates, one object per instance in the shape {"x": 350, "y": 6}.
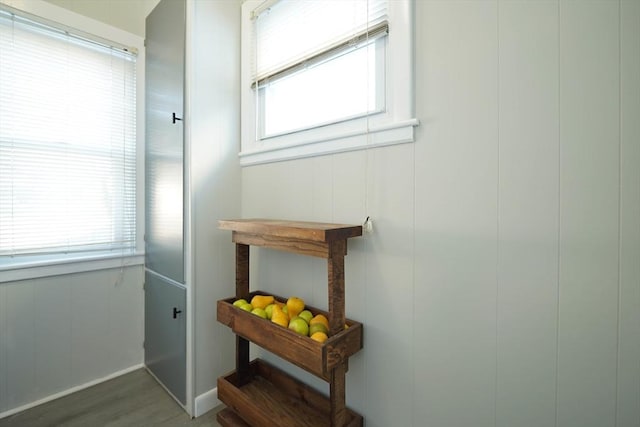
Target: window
{"x": 67, "y": 143}
{"x": 325, "y": 76}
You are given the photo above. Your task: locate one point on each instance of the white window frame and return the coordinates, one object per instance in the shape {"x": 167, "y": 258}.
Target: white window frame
{"x": 394, "y": 126}
{"x": 39, "y": 266}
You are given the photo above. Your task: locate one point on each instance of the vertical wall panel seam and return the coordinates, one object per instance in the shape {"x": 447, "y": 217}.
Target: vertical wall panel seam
{"x": 497, "y": 266}
{"x": 34, "y": 393}
{"x": 559, "y": 240}
{"x": 617, "y": 369}
{"x": 413, "y": 294}
{"x": 638, "y": 308}
{"x": 366, "y": 247}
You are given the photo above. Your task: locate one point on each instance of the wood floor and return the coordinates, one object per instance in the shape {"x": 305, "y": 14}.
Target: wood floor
{"x": 134, "y": 399}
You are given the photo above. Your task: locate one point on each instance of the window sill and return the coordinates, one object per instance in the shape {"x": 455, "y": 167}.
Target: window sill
{"x": 76, "y": 264}
{"x": 396, "y": 133}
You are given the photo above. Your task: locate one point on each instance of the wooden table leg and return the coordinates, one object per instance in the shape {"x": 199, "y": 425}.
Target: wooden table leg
{"x": 242, "y": 291}
{"x": 242, "y": 270}
{"x": 242, "y": 361}
{"x": 337, "y": 397}
{"x": 335, "y": 267}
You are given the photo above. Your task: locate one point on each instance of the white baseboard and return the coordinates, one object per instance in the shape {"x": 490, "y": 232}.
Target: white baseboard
{"x": 71, "y": 390}
{"x": 206, "y": 402}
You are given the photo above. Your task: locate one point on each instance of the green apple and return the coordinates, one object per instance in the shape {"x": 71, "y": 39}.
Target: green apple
{"x": 246, "y": 307}
{"x": 299, "y": 326}
{"x": 318, "y": 327}
{"x": 306, "y": 315}
{"x": 259, "y": 312}
{"x": 269, "y": 310}
{"x": 239, "y": 302}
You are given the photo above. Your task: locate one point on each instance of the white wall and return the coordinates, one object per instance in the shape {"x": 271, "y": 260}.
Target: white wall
{"x": 128, "y": 15}
{"x": 501, "y": 286}
{"x": 61, "y": 332}
{"x": 214, "y": 135}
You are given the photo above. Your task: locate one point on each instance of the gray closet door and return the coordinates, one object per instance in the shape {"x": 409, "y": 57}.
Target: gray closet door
{"x": 164, "y": 234}
{"x": 165, "y": 292}
{"x": 165, "y": 340}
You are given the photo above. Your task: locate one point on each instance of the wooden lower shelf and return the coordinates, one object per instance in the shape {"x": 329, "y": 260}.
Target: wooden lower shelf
{"x": 273, "y": 398}
{"x": 227, "y": 418}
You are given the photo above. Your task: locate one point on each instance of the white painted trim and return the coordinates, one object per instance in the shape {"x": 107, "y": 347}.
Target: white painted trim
{"x": 70, "y": 391}
{"x": 398, "y": 133}
{"x": 75, "y": 20}
{"x": 189, "y": 265}
{"x": 69, "y": 266}
{"x": 206, "y": 402}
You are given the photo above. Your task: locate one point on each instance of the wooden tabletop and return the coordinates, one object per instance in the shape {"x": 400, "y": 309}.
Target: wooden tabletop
{"x": 301, "y": 230}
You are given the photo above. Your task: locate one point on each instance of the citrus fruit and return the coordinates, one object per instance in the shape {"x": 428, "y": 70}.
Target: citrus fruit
{"x": 306, "y": 315}
{"x": 320, "y": 318}
{"x": 279, "y": 318}
{"x": 299, "y": 326}
{"x": 269, "y": 310}
{"x": 261, "y": 301}
{"x": 294, "y": 306}
{"x": 318, "y": 327}
{"x": 259, "y": 312}
{"x": 319, "y": 336}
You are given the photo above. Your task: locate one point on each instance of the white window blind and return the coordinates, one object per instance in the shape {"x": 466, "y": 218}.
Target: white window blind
{"x": 291, "y": 32}
{"x": 67, "y": 141}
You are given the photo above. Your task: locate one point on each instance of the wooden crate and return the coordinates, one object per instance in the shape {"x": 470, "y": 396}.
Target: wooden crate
{"x": 273, "y": 398}
{"x": 317, "y": 358}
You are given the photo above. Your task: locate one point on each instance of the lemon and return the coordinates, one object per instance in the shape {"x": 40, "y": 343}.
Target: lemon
{"x": 294, "y": 306}
{"x": 319, "y": 336}
{"x": 261, "y": 301}
{"x": 279, "y": 318}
